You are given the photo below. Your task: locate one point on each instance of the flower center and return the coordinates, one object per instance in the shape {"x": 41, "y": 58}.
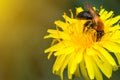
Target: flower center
{"x": 85, "y": 39}
{"x": 86, "y": 36}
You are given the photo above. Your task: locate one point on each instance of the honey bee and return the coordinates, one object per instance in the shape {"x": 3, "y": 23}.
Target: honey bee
{"x": 94, "y": 20}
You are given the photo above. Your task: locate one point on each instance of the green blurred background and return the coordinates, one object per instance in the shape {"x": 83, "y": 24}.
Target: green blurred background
{"x": 23, "y": 23}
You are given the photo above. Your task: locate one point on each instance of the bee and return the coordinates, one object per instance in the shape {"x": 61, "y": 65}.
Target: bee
{"x": 94, "y": 20}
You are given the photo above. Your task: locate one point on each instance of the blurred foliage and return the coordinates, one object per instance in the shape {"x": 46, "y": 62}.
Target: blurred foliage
{"x": 23, "y": 23}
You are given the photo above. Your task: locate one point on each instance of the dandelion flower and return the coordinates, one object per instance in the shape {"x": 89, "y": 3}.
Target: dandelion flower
{"x": 78, "y": 49}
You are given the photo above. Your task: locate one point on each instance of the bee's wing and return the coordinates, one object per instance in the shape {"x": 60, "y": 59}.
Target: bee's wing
{"x": 91, "y": 10}
{"x": 95, "y": 17}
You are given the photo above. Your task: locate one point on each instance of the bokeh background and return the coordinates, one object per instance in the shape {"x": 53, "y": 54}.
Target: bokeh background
{"x": 23, "y": 23}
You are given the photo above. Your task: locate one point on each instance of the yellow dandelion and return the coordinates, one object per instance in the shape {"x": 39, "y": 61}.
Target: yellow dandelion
{"x": 82, "y": 49}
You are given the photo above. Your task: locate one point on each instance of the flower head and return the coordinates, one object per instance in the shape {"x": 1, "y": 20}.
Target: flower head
{"x": 78, "y": 48}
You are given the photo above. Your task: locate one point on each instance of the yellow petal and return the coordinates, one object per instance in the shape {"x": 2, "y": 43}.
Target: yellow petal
{"x": 77, "y": 72}
{"x": 109, "y": 14}
{"x": 55, "y": 47}
{"x": 115, "y": 20}
{"x": 116, "y": 27}
{"x": 98, "y": 74}
{"x": 89, "y": 66}
{"x": 101, "y": 11}
{"x": 79, "y": 56}
{"x": 71, "y": 13}
{"x": 107, "y": 23}
{"x": 103, "y": 64}
{"x": 61, "y": 24}
{"x": 84, "y": 70}
{"x": 68, "y": 19}
{"x": 72, "y": 65}
{"x": 57, "y": 34}
{"x": 90, "y": 51}
{"x": 58, "y": 63}
{"x": 111, "y": 46}
{"x": 78, "y": 10}
{"x": 107, "y": 55}
{"x": 63, "y": 51}
{"x": 65, "y": 63}
{"x": 103, "y": 15}
{"x": 118, "y": 57}
{"x": 50, "y": 54}
{"x": 116, "y": 36}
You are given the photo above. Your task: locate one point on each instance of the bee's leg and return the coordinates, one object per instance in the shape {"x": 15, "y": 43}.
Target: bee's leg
{"x": 86, "y": 26}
